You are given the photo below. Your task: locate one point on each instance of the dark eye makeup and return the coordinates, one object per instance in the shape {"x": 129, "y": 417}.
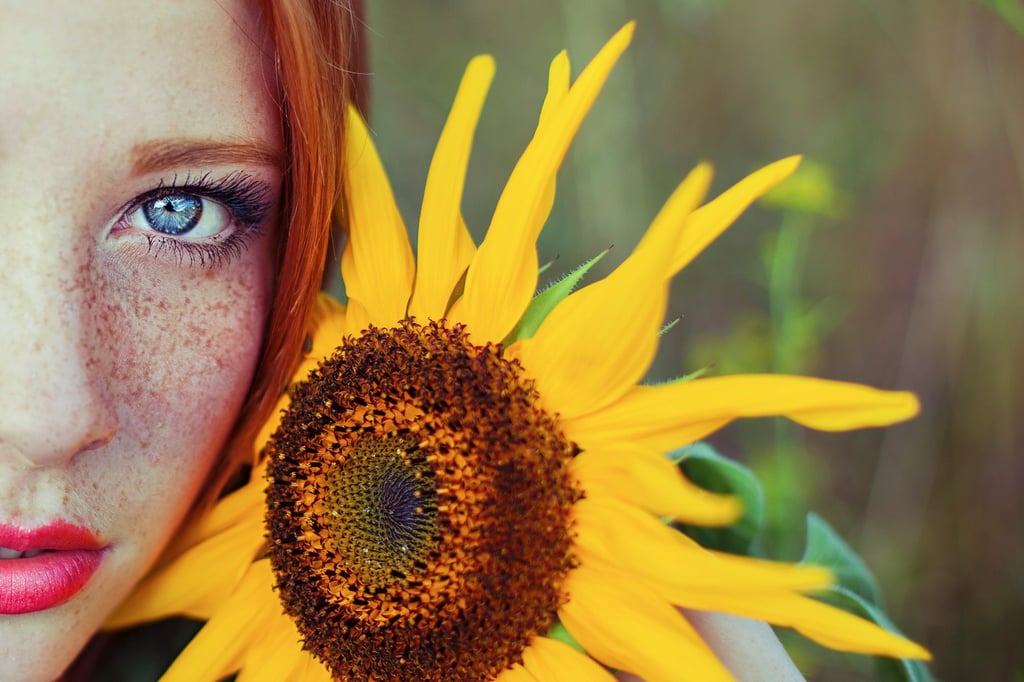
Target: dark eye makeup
{"x": 201, "y": 220}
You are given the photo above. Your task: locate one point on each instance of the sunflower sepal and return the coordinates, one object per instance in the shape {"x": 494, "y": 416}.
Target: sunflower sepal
{"x": 548, "y": 298}
{"x": 558, "y": 631}
{"x": 668, "y": 326}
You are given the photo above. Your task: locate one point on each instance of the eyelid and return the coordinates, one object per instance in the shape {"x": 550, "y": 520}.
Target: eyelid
{"x": 243, "y": 194}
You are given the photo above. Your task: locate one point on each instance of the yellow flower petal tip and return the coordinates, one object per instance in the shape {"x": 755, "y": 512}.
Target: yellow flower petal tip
{"x": 788, "y": 165}
{"x": 421, "y": 463}
{"x": 625, "y": 34}
{"x": 725, "y": 509}
{"x": 883, "y": 409}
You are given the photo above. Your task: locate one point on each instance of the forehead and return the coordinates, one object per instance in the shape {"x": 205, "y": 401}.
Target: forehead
{"x": 75, "y": 74}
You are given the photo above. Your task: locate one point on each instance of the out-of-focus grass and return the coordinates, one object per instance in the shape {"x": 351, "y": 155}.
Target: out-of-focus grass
{"x": 914, "y": 114}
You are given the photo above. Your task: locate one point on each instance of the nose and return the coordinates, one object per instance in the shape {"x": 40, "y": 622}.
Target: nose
{"x": 54, "y": 402}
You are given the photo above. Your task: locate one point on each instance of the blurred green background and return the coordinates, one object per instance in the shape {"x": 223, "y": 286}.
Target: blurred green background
{"x": 896, "y": 262}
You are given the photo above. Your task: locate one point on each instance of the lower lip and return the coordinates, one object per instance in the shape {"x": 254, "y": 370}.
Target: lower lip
{"x": 45, "y": 580}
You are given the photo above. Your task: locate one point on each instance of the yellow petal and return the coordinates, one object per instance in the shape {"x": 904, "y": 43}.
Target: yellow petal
{"x": 550, "y": 659}
{"x": 219, "y": 648}
{"x": 270, "y": 426}
{"x": 842, "y": 631}
{"x": 601, "y": 340}
{"x": 653, "y": 482}
{"x": 558, "y": 88}
{"x": 327, "y": 330}
{"x": 445, "y": 246}
{"x": 825, "y": 624}
{"x": 626, "y": 626}
{"x": 503, "y": 274}
{"x": 377, "y": 263}
{"x": 713, "y": 218}
{"x": 276, "y": 655}
{"x": 616, "y": 533}
{"x": 671, "y": 415}
{"x": 357, "y": 316}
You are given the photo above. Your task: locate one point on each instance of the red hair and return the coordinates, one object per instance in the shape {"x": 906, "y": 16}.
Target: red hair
{"x": 321, "y": 67}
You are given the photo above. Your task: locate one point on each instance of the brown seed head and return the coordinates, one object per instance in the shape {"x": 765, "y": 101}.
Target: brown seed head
{"x": 419, "y": 508}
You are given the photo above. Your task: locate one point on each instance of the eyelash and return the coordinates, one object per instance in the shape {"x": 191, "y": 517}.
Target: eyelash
{"x": 242, "y": 195}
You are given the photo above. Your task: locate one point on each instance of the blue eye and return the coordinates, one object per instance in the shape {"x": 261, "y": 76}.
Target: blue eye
{"x": 204, "y": 220}
{"x": 182, "y": 215}
{"x": 175, "y": 214}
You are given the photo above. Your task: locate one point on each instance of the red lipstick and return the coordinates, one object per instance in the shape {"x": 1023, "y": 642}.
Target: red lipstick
{"x": 48, "y": 565}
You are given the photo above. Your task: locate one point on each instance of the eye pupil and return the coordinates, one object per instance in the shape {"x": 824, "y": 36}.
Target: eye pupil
{"x": 175, "y": 214}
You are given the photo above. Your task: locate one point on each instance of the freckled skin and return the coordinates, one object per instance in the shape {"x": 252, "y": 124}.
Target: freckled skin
{"x": 122, "y": 370}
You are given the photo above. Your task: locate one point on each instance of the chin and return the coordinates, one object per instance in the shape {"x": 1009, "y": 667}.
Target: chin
{"x": 38, "y": 647}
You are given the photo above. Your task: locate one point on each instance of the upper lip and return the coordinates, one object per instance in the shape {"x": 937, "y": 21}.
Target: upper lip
{"x": 56, "y": 535}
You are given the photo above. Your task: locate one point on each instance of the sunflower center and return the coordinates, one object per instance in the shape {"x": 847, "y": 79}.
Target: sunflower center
{"x": 419, "y": 508}
{"x": 383, "y": 510}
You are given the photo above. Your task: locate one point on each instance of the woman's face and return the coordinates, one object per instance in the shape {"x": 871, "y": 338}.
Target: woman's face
{"x": 140, "y": 155}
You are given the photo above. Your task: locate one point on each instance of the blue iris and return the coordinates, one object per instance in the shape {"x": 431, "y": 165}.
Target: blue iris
{"x": 174, "y": 214}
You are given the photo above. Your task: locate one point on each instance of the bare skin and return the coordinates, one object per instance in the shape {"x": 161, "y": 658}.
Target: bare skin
{"x": 139, "y": 174}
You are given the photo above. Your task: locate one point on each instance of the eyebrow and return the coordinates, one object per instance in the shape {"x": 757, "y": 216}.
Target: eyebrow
{"x": 180, "y": 153}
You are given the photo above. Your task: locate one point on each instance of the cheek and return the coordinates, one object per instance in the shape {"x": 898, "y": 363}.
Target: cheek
{"x": 184, "y": 342}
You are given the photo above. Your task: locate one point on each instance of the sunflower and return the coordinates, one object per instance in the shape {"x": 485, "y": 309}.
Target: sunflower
{"x": 467, "y": 481}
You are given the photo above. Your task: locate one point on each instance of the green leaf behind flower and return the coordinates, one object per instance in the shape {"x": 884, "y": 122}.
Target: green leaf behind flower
{"x": 826, "y": 548}
{"x": 711, "y": 471}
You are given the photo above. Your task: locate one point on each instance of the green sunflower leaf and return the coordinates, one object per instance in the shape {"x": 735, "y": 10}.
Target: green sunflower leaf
{"x": 711, "y": 471}
{"x": 826, "y": 548}
{"x": 544, "y": 302}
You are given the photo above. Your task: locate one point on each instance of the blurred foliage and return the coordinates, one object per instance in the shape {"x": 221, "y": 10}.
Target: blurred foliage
{"x": 892, "y": 259}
